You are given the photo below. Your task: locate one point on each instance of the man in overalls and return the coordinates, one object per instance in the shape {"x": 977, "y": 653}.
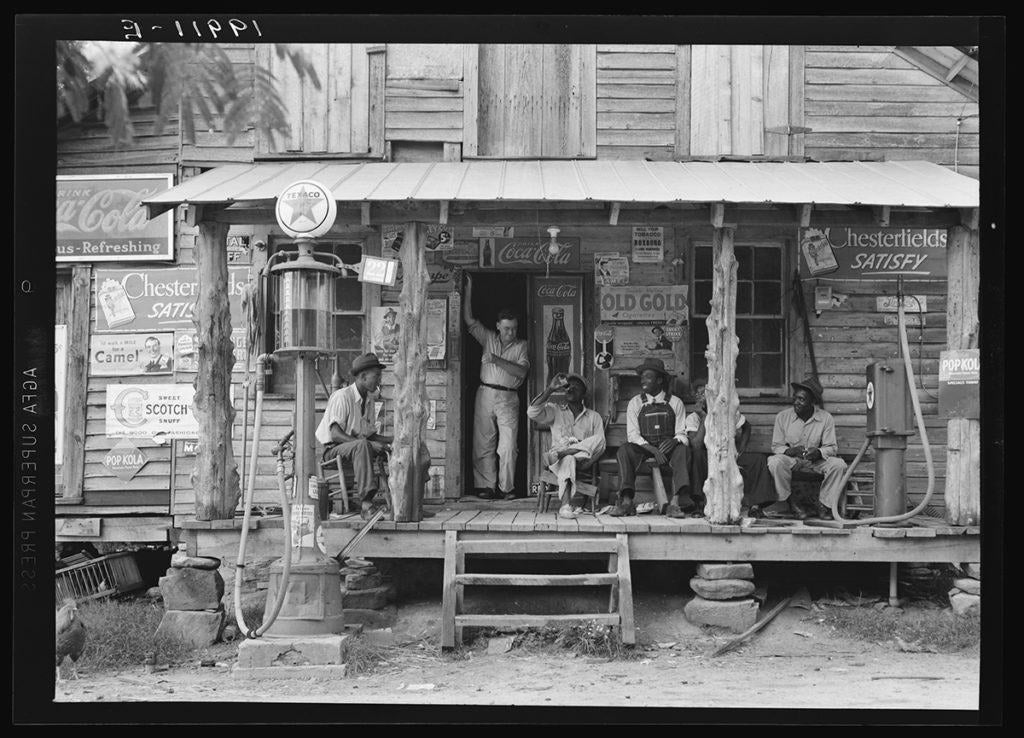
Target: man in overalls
{"x": 503, "y": 367}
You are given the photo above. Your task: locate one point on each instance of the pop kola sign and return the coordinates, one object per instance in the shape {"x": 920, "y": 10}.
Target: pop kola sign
{"x": 157, "y": 299}
{"x": 530, "y": 254}
{"x": 148, "y": 410}
{"x": 101, "y": 218}
{"x": 874, "y": 254}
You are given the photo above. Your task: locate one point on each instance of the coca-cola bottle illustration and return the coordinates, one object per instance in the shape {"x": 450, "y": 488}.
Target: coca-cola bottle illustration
{"x": 558, "y": 349}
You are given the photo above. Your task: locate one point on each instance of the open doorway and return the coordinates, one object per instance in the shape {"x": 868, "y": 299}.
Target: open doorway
{"x": 492, "y": 292}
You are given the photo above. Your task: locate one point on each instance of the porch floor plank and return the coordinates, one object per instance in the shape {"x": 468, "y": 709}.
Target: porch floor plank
{"x": 611, "y": 525}
{"x": 588, "y": 523}
{"x": 692, "y": 525}
{"x": 661, "y": 524}
{"x": 524, "y": 521}
{"x": 482, "y": 521}
{"x": 458, "y": 522}
{"x": 502, "y": 521}
{"x": 636, "y": 524}
{"x": 921, "y": 533}
{"x": 889, "y": 532}
{"x": 546, "y": 522}
{"x": 436, "y": 522}
{"x": 806, "y": 530}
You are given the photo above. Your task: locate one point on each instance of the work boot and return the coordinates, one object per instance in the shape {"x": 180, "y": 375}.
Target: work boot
{"x": 623, "y": 508}
{"x": 823, "y": 512}
{"x": 796, "y": 512}
{"x": 485, "y": 494}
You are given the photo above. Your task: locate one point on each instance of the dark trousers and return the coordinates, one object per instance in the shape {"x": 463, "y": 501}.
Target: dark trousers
{"x": 758, "y": 488}
{"x": 630, "y": 456}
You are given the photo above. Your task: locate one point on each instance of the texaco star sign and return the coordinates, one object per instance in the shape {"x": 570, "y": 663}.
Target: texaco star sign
{"x": 306, "y": 209}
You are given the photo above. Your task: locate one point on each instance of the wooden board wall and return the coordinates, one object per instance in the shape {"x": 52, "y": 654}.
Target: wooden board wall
{"x": 331, "y": 120}
{"x": 867, "y": 103}
{"x": 636, "y": 101}
{"x": 86, "y": 147}
{"x": 213, "y": 146}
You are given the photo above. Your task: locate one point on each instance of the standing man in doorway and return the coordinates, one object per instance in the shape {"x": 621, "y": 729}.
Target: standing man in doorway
{"x": 503, "y": 367}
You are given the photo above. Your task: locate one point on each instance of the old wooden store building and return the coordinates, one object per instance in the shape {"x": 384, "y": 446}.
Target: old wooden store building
{"x": 601, "y": 192}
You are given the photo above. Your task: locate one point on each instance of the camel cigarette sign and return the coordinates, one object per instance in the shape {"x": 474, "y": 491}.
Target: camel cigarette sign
{"x": 101, "y": 218}
{"x": 873, "y": 254}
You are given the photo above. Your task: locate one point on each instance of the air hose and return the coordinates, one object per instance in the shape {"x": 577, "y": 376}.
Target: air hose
{"x": 285, "y": 510}
{"x": 905, "y": 350}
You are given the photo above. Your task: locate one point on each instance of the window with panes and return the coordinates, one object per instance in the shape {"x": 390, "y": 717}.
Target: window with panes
{"x": 349, "y": 313}
{"x": 760, "y": 314}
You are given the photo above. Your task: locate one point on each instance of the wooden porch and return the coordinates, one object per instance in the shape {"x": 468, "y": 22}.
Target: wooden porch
{"x": 651, "y": 537}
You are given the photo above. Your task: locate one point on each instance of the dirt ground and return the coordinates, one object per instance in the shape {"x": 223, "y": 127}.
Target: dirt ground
{"x": 795, "y": 662}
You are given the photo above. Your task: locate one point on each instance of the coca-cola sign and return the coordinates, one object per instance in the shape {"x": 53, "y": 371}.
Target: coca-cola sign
{"x": 560, "y": 290}
{"x": 534, "y": 254}
{"x": 101, "y": 218}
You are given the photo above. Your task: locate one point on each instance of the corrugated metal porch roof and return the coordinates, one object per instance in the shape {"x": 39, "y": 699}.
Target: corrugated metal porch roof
{"x": 893, "y": 183}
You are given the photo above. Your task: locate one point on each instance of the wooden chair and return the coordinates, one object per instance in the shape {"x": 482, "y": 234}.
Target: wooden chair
{"x": 549, "y": 486}
{"x": 857, "y": 496}
{"x": 340, "y": 476}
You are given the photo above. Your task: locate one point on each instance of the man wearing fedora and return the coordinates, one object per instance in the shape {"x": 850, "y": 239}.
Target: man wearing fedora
{"x": 577, "y": 436}
{"x": 348, "y": 428}
{"x": 669, "y": 447}
{"x": 805, "y": 437}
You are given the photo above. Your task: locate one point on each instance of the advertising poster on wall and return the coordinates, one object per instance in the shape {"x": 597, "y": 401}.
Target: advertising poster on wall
{"x": 101, "y": 218}
{"x": 873, "y": 254}
{"x": 437, "y": 328}
{"x": 186, "y": 359}
{"x": 530, "y": 254}
{"x": 643, "y": 340}
{"x": 651, "y": 305}
{"x": 60, "y": 374}
{"x": 610, "y": 269}
{"x": 604, "y": 347}
{"x": 959, "y": 377}
{"x": 648, "y": 245}
{"x": 148, "y": 410}
{"x": 558, "y": 305}
{"x": 131, "y": 354}
{"x": 384, "y": 333}
{"x": 157, "y": 299}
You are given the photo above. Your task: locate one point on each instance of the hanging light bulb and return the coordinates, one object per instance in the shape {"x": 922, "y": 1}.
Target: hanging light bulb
{"x": 553, "y": 247}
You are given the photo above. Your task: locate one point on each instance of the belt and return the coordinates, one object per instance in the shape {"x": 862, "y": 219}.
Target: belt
{"x": 499, "y": 387}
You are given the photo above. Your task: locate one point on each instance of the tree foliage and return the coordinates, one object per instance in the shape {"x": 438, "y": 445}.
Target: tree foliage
{"x": 184, "y": 82}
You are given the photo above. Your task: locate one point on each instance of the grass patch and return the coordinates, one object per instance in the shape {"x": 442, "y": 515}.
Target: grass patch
{"x": 363, "y": 656}
{"x": 586, "y": 638}
{"x": 121, "y": 634}
{"x": 940, "y": 629}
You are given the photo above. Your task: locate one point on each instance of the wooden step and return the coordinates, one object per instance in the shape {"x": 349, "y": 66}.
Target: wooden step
{"x": 532, "y": 621}
{"x": 538, "y": 546}
{"x": 537, "y": 580}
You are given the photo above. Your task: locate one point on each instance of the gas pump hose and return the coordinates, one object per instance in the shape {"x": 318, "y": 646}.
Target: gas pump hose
{"x": 285, "y": 510}
{"x": 905, "y": 350}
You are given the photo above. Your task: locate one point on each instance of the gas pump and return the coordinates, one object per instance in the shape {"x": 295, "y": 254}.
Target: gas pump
{"x": 890, "y": 386}
{"x": 304, "y": 596}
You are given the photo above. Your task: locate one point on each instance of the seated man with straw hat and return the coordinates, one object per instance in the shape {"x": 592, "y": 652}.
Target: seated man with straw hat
{"x": 656, "y": 428}
{"x": 577, "y": 436}
{"x": 805, "y": 438}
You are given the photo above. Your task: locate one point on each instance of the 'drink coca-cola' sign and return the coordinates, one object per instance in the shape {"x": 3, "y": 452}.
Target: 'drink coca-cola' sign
{"x": 530, "y": 254}
{"x": 101, "y": 218}
{"x": 558, "y": 307}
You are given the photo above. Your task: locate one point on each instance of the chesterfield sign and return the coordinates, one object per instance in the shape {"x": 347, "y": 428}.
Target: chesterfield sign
{"x": 101, "y": 218}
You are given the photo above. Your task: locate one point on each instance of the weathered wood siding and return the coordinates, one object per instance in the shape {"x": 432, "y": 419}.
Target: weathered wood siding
{"x": 866, "y": 103}
{"x": 334, "y": 119}
{"x": 86, "y": 148}
{"x": 213, "y": 147}
{"x": 423, "y": 92}
{"x": 534, "y": 100}
{"x": 636, "y": 102}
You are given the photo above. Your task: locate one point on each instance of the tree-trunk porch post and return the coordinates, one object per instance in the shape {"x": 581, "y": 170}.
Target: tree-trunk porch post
{"x": 407, "y": 478}
{"x": 724, "y": 486}
{"x": 215, "y": 478}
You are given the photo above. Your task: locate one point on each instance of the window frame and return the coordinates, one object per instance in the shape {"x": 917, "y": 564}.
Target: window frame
{"x": 783, "y": 314}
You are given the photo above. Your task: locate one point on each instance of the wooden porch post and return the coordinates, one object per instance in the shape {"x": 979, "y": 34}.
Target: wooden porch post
{"x": 963, "y": 436}
{"x": 215, "y": 478}
{"x": 724, "y": 486}
{"x": 407, "y": 469}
